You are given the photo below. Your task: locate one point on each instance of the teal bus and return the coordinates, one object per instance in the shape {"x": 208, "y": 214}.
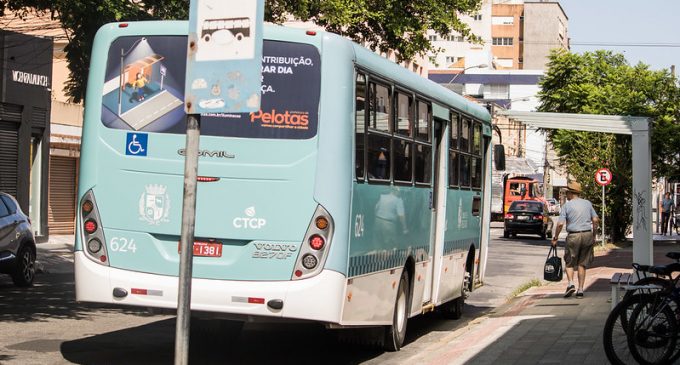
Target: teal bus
{"x": 358, "y": 196}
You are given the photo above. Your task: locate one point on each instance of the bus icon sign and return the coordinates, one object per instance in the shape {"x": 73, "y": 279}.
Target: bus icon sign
{"x": 603, "y": 176}
{"x": 136, "y": 144}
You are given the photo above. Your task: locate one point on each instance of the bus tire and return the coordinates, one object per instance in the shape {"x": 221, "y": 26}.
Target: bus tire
{"x": 453, "y": 309}
{"x": 395, "y": 334}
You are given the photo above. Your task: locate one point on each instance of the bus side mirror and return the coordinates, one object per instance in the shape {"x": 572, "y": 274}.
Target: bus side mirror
{"x": 499, "y": 157}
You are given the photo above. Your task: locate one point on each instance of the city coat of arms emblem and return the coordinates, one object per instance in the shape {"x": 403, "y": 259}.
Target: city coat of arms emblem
{"x": 154, "y": 205}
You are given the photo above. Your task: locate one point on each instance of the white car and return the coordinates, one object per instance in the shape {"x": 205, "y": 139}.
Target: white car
{"x": 553, "y": 206}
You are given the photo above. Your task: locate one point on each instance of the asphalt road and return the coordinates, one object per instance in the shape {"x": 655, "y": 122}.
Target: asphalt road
{"x": 44, "y": 324}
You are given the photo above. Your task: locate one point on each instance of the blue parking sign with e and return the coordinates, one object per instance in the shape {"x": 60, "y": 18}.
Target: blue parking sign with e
{"x": 136, "y": 144}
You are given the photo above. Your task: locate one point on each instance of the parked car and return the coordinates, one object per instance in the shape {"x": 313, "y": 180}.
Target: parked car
{"x": 553, "y": 206}
{"x": 528, "y": 216}
{"x": 17, "y": 245}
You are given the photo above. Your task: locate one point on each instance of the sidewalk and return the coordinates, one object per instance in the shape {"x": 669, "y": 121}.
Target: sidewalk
{"x": 56, "y": 255}
{"x": 543, "y": 327}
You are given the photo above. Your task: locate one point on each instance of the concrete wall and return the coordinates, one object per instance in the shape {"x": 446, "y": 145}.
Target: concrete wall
{"x": 545, "y": 28}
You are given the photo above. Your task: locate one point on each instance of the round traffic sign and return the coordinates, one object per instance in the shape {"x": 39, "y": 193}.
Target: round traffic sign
{"x": 603, "y": 176}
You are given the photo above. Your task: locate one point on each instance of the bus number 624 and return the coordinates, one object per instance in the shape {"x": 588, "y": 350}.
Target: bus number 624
{"x": 122, "y": 244}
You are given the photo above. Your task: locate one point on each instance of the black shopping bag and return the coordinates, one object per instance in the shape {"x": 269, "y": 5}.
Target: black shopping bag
{"x": 553, "y": 266}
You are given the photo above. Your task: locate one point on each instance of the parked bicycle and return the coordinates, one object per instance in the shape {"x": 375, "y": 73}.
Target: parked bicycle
{"x": 643, "y": 327}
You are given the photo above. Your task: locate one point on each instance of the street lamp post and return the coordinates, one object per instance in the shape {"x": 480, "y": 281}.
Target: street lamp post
{"x": 483, "y": 65}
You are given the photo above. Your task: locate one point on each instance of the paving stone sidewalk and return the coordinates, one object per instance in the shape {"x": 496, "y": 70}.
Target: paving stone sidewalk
{"x": 543, "y": 327}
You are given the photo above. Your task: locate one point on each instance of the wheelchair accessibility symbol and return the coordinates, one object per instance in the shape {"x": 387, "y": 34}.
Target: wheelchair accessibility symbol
{"x": 135, "y": 144}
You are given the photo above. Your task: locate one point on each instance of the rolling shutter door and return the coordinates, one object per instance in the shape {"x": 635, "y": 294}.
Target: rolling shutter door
{"x": 62, "y": 194}
{"x": 9, "y": 157}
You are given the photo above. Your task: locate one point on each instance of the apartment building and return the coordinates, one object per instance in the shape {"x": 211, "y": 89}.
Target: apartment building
{"x": 545, "y": 28}
{"x": 517, "y": 34}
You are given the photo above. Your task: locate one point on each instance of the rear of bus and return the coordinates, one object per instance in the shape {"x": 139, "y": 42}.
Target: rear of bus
{"x": 267, "y": 212}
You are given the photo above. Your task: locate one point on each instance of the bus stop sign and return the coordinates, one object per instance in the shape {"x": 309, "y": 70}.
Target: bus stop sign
{"x": 603, "y": 176}
{"x": 224, "y": 56}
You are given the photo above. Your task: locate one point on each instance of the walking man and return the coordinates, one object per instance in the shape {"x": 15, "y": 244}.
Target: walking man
{"x": 581, "y": 221}
{"x": 666, "y": 210}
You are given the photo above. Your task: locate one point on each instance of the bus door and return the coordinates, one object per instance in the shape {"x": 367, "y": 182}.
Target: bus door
{"x": 439, "y": 183}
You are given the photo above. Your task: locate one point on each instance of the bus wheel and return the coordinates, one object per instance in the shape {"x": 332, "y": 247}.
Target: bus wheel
{"x": 396, "y": 333}
{"x": 453, "y": 309}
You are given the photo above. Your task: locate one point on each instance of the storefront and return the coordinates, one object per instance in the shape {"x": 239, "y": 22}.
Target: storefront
{"x": 25, "y": 97}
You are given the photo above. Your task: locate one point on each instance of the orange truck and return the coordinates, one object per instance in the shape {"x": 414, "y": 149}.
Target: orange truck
{"x": 511, "y": 189}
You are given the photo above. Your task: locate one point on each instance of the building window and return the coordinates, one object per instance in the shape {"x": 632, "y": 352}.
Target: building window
{"x": 504, "y": 62}
{"x": 502, "y": 20}
{"x": 496, "y": 91}
{"x": 432, "y": 38}
{"x": 477, "y": 17}
{"x": 451, "y": 59}
{"x": 502, "y": 41}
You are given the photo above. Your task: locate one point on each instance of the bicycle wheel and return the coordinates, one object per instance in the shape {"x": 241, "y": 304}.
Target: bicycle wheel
{"x": 614, "y": 337}
{"x": 652, "y": 330}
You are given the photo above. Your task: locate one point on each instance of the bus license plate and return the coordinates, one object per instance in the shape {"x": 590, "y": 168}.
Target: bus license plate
{"x": 205, "y": 249}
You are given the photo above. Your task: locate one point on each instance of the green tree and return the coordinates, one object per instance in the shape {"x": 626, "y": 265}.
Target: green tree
{"x": 398, "y": 25}
{"x": 602, "y": 82}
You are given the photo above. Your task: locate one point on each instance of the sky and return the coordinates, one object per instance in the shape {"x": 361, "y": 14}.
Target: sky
{"x": 645, "y": 31}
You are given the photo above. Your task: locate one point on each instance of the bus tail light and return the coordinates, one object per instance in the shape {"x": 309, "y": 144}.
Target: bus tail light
{"x": 316, "y": 242}
{"x": 90, "y": 226}
{"x": 94, "y": 243}
{"x": 315, "y": 245}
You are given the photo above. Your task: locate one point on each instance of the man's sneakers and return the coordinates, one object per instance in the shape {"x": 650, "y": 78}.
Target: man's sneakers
{"x": 570, "y": 290}
{"x": 579, "y": 294}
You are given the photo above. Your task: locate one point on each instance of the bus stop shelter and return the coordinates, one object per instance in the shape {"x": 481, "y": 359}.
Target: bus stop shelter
{"x": 639, "y": 129}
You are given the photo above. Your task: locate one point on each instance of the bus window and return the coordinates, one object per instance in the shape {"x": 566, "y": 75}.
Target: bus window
{"x": 403, "y": 162}
{"x": 379, "y": 107}
{"x": 423, "y": 164}
{"x": 465, "y": 170}
{"x": 465, "y": 136}
{"x": 424, "y": 113}
{"x": 476, "y": 171}
{"x": 453, "y": 168}
{"x": 128, "y": 103}
{"x": 404, "y": 119}
{"x": 360, "y": 125}
{"x": 477, "y": 139}
{"x": 378, "y": 157}
{"x": 455, "y": 126}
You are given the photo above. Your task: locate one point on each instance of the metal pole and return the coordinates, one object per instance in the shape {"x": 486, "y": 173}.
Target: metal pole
{"x": 603, "y": 234}
{"x": 187, "y": 240}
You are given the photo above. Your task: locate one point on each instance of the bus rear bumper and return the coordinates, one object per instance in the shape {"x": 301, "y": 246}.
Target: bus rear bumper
{"x": 319, "y": 298}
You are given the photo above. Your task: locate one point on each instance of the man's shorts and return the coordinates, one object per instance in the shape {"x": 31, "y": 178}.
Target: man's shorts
{"x": 579, "y": 249}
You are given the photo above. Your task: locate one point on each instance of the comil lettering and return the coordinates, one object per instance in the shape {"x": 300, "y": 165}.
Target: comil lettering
{"x": 30, "y": 79}
{"x": 280, "y": 118}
